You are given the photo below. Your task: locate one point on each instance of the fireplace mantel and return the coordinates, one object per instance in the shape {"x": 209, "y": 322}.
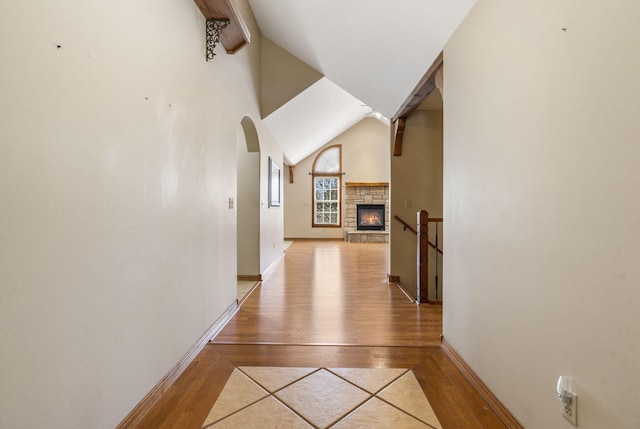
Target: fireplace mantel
{"x": 373, "y": 184}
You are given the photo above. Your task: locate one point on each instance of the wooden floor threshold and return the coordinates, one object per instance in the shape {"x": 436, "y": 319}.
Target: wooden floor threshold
{"x": 310, "y": 344}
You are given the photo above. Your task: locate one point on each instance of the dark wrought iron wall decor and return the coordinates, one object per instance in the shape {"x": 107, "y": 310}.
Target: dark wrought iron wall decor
{"x": 214, "y": 29}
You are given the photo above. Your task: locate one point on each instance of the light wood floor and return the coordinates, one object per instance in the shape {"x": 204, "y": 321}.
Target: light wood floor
{"x": 327, "y": 304}
{"x": 332, "y": 292}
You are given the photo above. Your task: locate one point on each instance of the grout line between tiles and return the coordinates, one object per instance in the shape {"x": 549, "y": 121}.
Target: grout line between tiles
{"x": 294, "y": 411}
{"x": 338, "y": 420}
{"x": 406, "y": 412}
{"x": 362, "y": 388}
{"x": 348, "y": 413}
{"x": 235, "y": 412}
{"x": 283, "y": 387}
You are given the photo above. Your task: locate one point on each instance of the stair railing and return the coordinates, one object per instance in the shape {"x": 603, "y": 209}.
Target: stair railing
{"x": 422, "y": 254}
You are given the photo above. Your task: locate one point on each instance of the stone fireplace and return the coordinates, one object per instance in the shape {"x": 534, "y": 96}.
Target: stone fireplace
{"x": 373, "y": 215}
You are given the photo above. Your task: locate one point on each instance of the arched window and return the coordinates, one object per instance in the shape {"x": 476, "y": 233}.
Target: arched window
{"x": 327, "y": 174}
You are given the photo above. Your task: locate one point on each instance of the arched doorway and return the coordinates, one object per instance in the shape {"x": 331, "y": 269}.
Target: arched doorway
{"x": 248, "y": 205}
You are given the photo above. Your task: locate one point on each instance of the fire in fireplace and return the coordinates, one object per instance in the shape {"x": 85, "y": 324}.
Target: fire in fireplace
{"x": 370, "y": 217}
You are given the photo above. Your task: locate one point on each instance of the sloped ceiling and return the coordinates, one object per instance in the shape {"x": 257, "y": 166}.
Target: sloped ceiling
{"x": 375, "y": 50}
{"x": 316, "y": 116}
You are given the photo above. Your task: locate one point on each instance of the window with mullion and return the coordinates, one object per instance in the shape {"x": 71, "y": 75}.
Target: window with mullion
{"x": 327, "y": 200}
{"x": 327, "y": 179}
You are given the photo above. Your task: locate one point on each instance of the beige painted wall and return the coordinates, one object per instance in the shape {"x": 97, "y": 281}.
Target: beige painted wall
{"x": 117, "y": 160}
{"x": 541, "y": 184}
{"x": 365, "y": 158}
{"x": 283, "y": 77}
{"x": 416, "y": 181}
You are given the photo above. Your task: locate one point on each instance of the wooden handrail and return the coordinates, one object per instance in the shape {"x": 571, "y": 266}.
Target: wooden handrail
{"x": 406, "y": 225}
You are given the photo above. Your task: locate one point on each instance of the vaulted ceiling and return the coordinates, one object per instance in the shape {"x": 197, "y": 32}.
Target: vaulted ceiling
{"x": 372, "y": 53}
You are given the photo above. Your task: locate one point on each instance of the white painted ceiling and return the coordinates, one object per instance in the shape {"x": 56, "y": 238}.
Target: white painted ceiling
{"x": 305, "y": 119}
{"x": 375, "y": 50}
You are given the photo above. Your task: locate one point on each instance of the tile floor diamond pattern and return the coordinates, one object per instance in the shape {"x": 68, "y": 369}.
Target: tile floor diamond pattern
{"x": 400, "y": 394}
{"x": 340, "y": 398}
{"x": 239, "y": 392}
{"x": 322, "y": 398}
{"x": 369, "y": 379}
{"x": 273, "y": 379}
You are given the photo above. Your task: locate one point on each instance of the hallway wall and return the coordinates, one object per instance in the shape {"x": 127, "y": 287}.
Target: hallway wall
{"x": 541, "y": 107}
{"x": 117, "y": 161}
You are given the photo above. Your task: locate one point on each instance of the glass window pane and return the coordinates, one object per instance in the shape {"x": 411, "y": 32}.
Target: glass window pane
{"x": 327, "y": 200}
{"x": 328, "y": 161}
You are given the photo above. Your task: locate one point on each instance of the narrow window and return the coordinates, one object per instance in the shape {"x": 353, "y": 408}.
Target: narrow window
{"x": 327, "y": 184}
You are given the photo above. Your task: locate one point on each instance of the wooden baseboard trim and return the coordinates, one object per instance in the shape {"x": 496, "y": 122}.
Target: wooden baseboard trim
{"x": 393, "y": 279}
{"x": 434, "y": 301}
{"x": 492, "y": 401}
{"x": 250, "y": 278}
{"x": 135, "y": 417}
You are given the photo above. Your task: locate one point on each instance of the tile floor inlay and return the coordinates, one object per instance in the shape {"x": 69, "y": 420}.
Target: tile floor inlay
{"x": 401, "y": 394}
{"x": 273, "y": 379}
{"x": 369, "y": 379}
{"x": 267, "y": 413}
{"x": 239, "y": 392}
{"x": 322, "y": 398}
{"x": 281, "y": 397}
{"x": 378, "y": 414}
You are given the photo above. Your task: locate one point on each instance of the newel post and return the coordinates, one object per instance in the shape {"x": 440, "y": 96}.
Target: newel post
{"x": 423, "y": 249}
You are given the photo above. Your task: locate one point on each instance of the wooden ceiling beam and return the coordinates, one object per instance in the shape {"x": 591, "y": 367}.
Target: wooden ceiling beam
{"x": 425, "y": 87}
{"x": 397, "y": 144}
{"x": 236, "y": 35}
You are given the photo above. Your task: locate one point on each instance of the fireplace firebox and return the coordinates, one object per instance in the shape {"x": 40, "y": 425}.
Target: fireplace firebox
{"x": 370, "y": 217}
